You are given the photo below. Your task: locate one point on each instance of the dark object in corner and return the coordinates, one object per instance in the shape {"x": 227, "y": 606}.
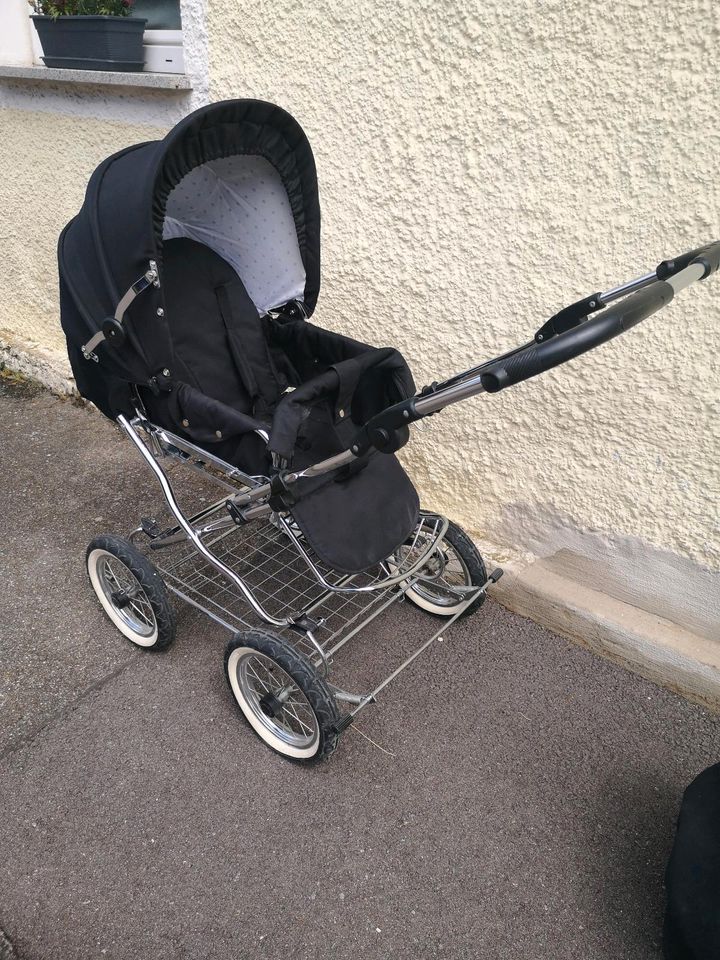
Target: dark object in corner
{"x": 692, "y": 879}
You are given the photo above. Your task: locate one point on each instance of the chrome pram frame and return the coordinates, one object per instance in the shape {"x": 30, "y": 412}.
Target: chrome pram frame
{"x": 260, "y": 572}
{"x": 246, "y": 565}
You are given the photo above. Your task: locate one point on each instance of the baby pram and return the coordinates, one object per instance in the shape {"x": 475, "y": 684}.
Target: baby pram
{"x": 186, "y": 282}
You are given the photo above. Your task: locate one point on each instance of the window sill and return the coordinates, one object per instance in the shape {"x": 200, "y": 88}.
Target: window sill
{"x": 144, "y": 80}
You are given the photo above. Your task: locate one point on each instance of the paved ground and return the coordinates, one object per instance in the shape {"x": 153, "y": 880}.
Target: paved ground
{"x": 524, "y": 808}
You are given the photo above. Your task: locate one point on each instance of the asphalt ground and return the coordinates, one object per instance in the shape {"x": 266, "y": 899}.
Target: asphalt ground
{"x": 516, "y": 798}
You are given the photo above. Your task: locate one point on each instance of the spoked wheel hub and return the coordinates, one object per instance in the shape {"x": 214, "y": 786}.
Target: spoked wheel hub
{"x": 121, "y": 598}
{"x": 435, "y": 567}
{"x": 455, "y": 566}
{"x": 281, "y": 694}
{"x": 126, "y": 595}
{"x": 291, "y": 719}
{"x": 270, "y": 705}
{"x": 131, "y": 592}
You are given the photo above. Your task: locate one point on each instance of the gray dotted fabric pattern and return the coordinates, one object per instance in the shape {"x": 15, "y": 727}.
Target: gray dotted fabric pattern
{"x": 239, "y": 208}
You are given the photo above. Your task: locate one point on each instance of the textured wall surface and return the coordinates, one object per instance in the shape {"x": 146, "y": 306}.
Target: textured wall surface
{"x": 52, "y": 136}
{"x": 480, "y": 167}
{"x": 45, "y": 162}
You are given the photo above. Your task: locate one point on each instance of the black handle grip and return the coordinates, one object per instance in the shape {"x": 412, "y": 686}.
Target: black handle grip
{"x": 600, "y": 328}
{"x": 668, "y": 268}
{"x": 709, "y": 257}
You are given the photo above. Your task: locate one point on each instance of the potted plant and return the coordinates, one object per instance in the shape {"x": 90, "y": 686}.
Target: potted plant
{"x": 89, "y": 34}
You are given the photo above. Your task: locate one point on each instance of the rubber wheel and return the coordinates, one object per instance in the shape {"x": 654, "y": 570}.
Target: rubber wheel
{"x": 463, "y": 566}
{"x": 282, "y": 696}
{"x": 131, "y": 592}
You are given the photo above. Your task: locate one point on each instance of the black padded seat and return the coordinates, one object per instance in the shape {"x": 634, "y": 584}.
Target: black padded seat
{"x": 226, "y": 382}
{"x": 229, "y": 375}
{"x": 219, "y": 340}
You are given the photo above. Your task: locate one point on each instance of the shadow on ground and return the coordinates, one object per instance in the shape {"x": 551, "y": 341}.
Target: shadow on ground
{"x": 520, "y": 802}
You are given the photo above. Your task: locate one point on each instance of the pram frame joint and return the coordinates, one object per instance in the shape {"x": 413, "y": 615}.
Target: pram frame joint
{"x": 151, "y": 278}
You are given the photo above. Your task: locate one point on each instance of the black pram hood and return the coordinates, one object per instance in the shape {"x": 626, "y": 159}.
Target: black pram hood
{"x": 118, "y": 232}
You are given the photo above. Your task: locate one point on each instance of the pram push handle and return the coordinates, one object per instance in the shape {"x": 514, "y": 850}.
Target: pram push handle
{"x": 600, "y": 328}
{"x": 657, "y": 291}
{"x": 387, "y": 431}
{"x": 575, "y": 334}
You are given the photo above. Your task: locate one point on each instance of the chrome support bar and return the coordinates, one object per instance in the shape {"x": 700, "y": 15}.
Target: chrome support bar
{"x": 190, "y": 532}
{"x": 324, "y": 660}
{"x": 393, "y": 598}
{"x": 257, "y": 512}
{"x": 691, "y": 273}
{"x": 344, "y": 696}
{"x": 170, "y": 539}
{"x": 323, "y": 597}
{"x": 200, "y": 515}
{"x": 263, "y": 491}
{"x": 441, "y": 398}
{"x": 696, "y": 271}
{"x": 372, "y": 696}
{"x": 437, "y": 534}
{"x": 630, "y": 287}
{"x": 166, "y": 440}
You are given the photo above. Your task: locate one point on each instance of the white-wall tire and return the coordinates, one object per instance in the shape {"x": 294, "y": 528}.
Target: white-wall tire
{"x": 259, "y": 665}
{"x": 461, "y": 556}
{"x": 131, "y": 592}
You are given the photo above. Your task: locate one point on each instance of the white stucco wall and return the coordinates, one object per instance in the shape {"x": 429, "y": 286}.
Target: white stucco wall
{"x": 15, "y": 37}
{"x": 45, "y": 162}
{"x": 480, "y": 166}
{"x": 52, "y": 136}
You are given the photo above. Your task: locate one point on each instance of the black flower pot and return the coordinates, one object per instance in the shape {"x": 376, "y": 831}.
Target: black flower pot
{"x": 92, "y": 43}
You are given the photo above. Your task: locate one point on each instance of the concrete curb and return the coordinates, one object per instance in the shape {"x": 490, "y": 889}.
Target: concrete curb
{"x": 642, "y": 642}
{"x": 46, "y": 370}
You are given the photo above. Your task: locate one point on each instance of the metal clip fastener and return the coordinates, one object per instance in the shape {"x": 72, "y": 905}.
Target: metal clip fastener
{"x": 152, "y": 275}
